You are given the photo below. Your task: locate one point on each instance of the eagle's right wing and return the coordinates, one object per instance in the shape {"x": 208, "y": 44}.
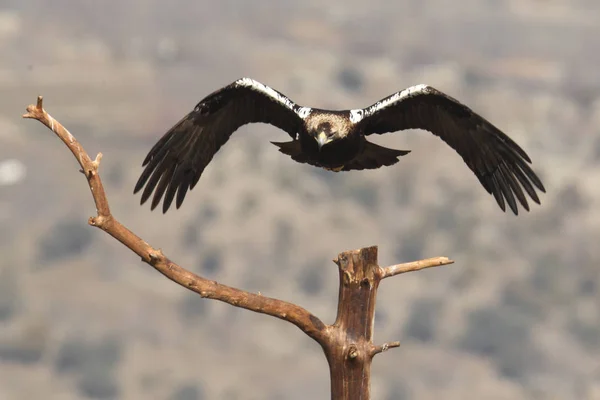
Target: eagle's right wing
{"x": 499, "y": 163}
{"x": 177, "y": 160}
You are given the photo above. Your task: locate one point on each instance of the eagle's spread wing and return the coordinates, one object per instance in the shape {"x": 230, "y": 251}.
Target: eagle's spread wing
{"x": 499, "y": 163}
{"x": 177, "y": 160}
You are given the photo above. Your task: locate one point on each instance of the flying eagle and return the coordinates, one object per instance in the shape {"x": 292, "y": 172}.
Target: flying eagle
{"x": 335, "y": 140}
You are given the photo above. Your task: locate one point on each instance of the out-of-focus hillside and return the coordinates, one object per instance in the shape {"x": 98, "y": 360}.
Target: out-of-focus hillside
{"x": 517, "y": 316}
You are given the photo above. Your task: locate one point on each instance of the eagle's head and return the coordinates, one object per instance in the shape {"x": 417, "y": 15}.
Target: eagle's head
{"x": 327, "y": 132}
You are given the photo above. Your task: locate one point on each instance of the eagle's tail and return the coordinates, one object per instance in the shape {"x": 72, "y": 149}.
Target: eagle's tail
{"x": 374, "y": 156}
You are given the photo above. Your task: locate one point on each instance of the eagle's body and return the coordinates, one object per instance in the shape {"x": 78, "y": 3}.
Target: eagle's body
{"x": 335, "y": 140}
{"x": 352, "y": 151}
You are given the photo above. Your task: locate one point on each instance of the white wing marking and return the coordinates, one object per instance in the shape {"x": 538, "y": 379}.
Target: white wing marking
{"x": 302, "y": 112}
{"x": 356, "y": 115}
{"x": 399, "y": 96}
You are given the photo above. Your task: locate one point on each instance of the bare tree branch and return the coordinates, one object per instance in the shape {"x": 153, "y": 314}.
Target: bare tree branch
{"x": 307, "y": 322}
{"x": 398, "y": 269}
{"x": 384, "y": 347}
{"x": 347, "y": 343}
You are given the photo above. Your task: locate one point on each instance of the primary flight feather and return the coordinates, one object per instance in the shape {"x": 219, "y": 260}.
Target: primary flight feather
{"x": 335, "y": 140}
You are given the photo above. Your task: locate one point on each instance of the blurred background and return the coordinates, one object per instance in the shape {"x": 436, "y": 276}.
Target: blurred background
{"x": 517, "y": 316}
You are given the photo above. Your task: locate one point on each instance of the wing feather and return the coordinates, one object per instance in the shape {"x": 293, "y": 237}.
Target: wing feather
{"x": 175, "y": 163}
{"x": 499, "y": 163}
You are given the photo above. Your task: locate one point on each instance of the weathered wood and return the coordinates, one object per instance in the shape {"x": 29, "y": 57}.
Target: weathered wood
{"x": 349, "y": 351}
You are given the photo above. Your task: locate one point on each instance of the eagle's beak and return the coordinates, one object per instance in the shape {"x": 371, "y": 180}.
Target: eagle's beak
{"x": 322, "y": 140}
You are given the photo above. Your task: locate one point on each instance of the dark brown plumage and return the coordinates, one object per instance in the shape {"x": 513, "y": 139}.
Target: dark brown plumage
{"x": 335, "y": 140}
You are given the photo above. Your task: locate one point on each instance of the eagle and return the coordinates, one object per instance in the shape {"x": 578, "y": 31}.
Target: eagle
{"x": 335, "y": 140}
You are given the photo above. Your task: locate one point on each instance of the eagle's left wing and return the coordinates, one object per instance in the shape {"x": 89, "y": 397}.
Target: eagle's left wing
{"x": 499, "y": 163}
{"x": 177, "y": 160}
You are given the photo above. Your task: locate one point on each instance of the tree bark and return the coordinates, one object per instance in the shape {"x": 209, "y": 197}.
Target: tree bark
{"x": 350, "y": 350}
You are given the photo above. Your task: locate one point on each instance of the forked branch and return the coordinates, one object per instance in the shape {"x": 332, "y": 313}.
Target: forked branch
{"x": 347, "y": 343}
